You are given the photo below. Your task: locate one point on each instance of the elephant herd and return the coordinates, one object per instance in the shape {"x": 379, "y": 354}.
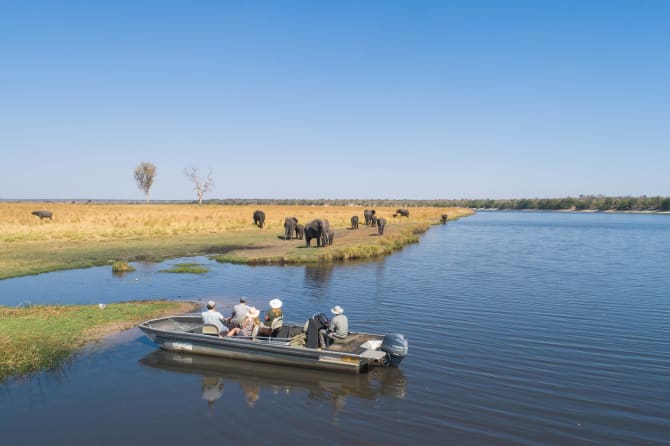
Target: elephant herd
{"x": 320, "y": 230}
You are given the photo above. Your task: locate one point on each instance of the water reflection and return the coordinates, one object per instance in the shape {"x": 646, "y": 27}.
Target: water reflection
{"x": 318, "y": 276}
{"x": 212, "y": 389}
{"x": 255, "y": 378}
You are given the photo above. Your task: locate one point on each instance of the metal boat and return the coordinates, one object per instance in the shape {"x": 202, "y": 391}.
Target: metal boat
{"x": 357, "y": 353}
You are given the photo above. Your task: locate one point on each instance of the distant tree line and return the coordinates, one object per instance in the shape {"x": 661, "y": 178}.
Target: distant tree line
{"x": 581, "y": 203}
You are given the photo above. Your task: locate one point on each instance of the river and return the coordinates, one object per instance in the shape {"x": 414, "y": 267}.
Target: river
{"x": 525, "y": 328}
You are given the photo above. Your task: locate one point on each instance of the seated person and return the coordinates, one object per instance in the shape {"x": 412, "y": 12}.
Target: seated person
{"x": 273, "y": 313}
{"x": 211, "y": 316}
{"x": 239, "y": 311}
{"x": 338, "y": 328}
{"x": 248, "y": 326}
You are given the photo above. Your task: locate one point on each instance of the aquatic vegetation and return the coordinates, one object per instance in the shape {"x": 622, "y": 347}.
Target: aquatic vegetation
{"x": 188, "y": 268}
{"x": 122, "y": 266}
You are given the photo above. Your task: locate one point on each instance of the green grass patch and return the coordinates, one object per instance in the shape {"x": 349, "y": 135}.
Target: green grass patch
{"x": 122, "y": 266}
{"x": 186, "y": 268}
{"x": 43, "y": 337}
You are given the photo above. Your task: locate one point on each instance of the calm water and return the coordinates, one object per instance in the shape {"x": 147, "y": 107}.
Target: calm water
{"x": 524, "y": 329}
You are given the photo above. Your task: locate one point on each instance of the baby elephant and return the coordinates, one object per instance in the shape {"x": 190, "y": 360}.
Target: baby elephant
{"x": 354, "y": 222}
{"x": 44, "y": 214}
{"x": 381, "y": 222}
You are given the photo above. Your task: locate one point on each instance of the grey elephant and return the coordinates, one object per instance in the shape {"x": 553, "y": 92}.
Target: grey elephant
{"x": 289, "y": 227}
{"x": 331, "y": 236}
{"x": 354, "y": 222}
{"x": 373, "y": 220}
{"x": 401, "y": 213}
{"x": 259, "y": 218}
{"x": 444, "y": 218}
{"x": 368, "y": 214}
{"x": 317, "y": 229}
{"x": 381, "y": 223}
{"x": 299, "y": 231}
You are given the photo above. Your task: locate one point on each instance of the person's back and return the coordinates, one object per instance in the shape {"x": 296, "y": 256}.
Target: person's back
{"x": 239, "y": 311}
{"x": 211, "y": 316}
{"x": 339, "y": 324}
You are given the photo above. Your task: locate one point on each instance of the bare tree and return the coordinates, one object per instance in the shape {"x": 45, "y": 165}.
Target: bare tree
{"x": 144, "y": 176}
{"x": 200, "y": 185}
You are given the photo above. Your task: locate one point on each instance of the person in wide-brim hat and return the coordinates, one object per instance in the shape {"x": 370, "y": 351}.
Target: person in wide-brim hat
{"x": 273, "y": 313}
{"x": 248, "y": 324}
{"x": 337, "y": 310}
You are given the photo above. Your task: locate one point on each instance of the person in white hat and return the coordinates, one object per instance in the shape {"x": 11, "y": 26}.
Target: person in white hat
{"x": 273, "y": 313}
{"x": 338, "y": 328}
{"x": 211, "y": 316}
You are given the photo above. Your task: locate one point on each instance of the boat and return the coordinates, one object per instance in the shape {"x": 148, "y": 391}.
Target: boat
{"x": 291, "y": 345}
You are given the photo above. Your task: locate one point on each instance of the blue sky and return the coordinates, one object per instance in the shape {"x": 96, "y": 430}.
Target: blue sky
{"x": 341, "y": 99}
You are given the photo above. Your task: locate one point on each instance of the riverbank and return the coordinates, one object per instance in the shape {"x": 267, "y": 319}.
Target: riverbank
{"x": 45, "y": 336}
{"x": 82, "y": 235}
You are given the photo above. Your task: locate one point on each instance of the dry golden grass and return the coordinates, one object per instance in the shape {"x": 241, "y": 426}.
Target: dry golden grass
{"x": 83, "y": 235}
{"x": 127, "y": 221}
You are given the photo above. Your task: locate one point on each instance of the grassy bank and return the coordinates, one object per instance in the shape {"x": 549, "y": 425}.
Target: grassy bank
{"x": 82, "y": 235}
{"x": 43, "y": 337}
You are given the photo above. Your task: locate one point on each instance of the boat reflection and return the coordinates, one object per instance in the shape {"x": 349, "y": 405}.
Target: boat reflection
{"x": 254, "y": 378}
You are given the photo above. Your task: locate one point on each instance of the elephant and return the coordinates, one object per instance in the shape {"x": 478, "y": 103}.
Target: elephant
{"x": 444, "y": 218}
{"x": 368, "y": 214}
{"x": 373, "y": 220}
{"x": 43, "y": 214}
{"x": 381, "y": 223}
{"x": 259, "y": 218}
{"x": 289, "y": 227}
{"x": 354, "y": 222}
{"x": 299, "y": 231}
{"x": 331, "y": 236}
{"x": 402, "y": 213}
{"x": 317, "y": 229}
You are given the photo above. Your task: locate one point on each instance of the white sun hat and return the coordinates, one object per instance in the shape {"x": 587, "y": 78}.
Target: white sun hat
{"x": 276, "y": 303}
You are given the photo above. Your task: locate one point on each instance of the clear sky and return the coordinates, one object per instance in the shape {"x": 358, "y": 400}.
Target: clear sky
{"x": 341, "y": 99}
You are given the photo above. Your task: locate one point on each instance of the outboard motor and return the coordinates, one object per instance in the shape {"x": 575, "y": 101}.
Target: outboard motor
{"x": 395, "y": 345}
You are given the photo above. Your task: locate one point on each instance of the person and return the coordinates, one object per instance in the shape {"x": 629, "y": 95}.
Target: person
{"x": 338, "y": 328}
{"x": 239, "y": 311}
{"x": 249, "y": 324}
{"x": 211, "y": 316}
{"x": 273, "y": 313}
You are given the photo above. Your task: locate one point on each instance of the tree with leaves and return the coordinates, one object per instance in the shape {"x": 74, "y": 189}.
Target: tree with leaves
{"x": 144, "y": 176}
{"x": 200, "y": 185}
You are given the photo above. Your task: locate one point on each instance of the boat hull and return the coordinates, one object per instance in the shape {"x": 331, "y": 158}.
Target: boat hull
{"x": 170, "y": 334}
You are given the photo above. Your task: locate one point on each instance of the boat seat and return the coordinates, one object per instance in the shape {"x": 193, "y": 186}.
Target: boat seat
{"x": 284, "y": 332}
{"x": 276, "y": 325}
{"x": 210, "y": 329}
{"x": 344, "y": 340}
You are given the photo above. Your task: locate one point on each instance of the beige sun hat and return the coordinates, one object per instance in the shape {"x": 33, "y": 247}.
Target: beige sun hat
{"x": 337, "y": 310}
{"x": 253, "y": 313}
{"x": 211, "y": 303}
{"x": 276, "y": 303}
